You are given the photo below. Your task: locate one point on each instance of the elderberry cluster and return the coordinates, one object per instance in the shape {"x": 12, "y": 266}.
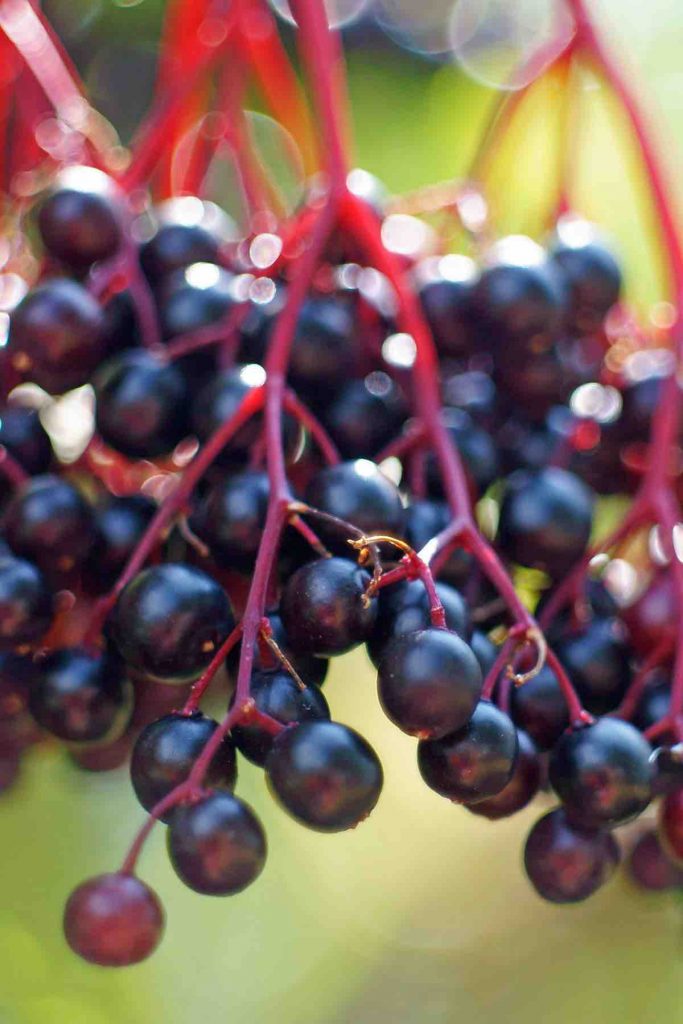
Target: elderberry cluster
{"x": 544, "y": 422}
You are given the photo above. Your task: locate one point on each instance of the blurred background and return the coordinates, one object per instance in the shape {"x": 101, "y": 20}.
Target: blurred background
{"x": 423, "y": 913}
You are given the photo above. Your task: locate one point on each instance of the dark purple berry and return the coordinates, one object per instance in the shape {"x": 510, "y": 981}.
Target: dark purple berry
{"x": 279, "y": 696}
{"x": 539, "y": 709}
{"x": 79, "y": 222}
{"x": 230, "y": 518}
{"x": 566, "y": 864}
{"x": 520, "y": 790}
{"x": 359, "y": 493}
{"x": 26, "y": 603}
{"x": 404, "y": 608}
{"x": 49, "y": 523}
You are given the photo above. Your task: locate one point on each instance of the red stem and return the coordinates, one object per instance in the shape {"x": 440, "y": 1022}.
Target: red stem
{"x": 202, "y": 684}
{"x": 312, "y": 424}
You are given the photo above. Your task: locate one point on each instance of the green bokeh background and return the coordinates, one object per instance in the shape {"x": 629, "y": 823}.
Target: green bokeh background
{"x": 421, "y": 914}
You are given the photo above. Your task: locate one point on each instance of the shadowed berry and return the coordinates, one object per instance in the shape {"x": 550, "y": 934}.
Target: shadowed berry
{"x": 404, "y": 608}
{"x": 566, "y": 864}
{"x": 49, "y": 523}
{"x": 79, "y": 222}
{"x": 280, "y": 697}
{"x": 26, "y": 603}
{"x": 113, "y": 920}
{"x": 520, "y": 790}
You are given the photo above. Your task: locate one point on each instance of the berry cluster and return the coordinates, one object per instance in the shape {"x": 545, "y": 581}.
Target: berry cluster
{"x": 305, "y": 442}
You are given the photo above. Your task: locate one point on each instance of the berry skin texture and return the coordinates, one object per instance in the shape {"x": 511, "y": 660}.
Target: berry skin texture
{"x": 359, "y": 493}
{"x": 404, "y": 608}
{"x": 79, "y": 222}
{"x": 140, "y": 404}
{"x": 113, "y": 920}
{"x": 322, "y": 607}
{"x": 26, "y": 605}
{"x": 80, "y": 697}
{"x": 325, "y": 775}
{"x": 165, "y": 753}
{"x": 217, "y": 845}
{"x": 602, "y": 773}
{"x": 520, "y": 790}
{"x": 474, "y": 763}
{"x": 545, "y": 519}
{"x": 169, "y": 620}
{"x": 566, "y": 864}
{"x": 57, "y": 335}
{"x": 670, "y": 826}
{"x": 278, "y": 695}
{"x": 597, "y": 660}
{"x": 48, "y": 522}
{"x": 538, "y": 708}
{"x": 429, "y": 683}
{"x": 119, "y": 525}
{"x": 231, "y": 516}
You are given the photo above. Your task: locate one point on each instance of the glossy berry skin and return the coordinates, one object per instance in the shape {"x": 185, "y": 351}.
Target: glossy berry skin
{"x": 602, "y": 773}
{"x": 310, "y": 669}
{"x": 429, "y": 682}
{"x": 141, "y": 404}
{"x": 322, "y": 350}
{"x": 425, "y": 519}
{"x": 169, "y": 620}
{"x": 404, "y": 608}
{"x": 322, "y": 607}
{"x": 594, "y": 280}
{"x": 654, "y": 703}
{"x": 520, "y": 790}
{"x": 365, "y": 415}
{"x": 485, "y": 651}
{"x": 597, "y": 660}
{"x": 474, "y": 763}
{"x": 518, "y": 307}
{"x": 545, "y": 519}
{"x": 325, "y": 775}
{"x": 57, "y": 335}
{"x": 278, "y": 695}
{"x": 24, "y": 437}
{"x": 359, "y": 493}
{"x": 113, "y": 920}
{"x": 566, "y": 864}
{"x": 217, "y": 845}
{"x": 26, "y": 603}
{"x": 446, "y": 302}
{"x": 650, "y": 867}
{"x": 194, "y": 297}
{"x": 80, "y": 697}
{"x": 165, "y": 753}
{"x": 539, "y": 709}
{"x": 49, "y": 523}
{"x": 175, "y": 246}
{"x": 78, "y": 222}
{"x": 230, "y": 518}
{"x": 119, "y": 525}
{"x": 476, "y": 449}
{"x": 670, "y": 826}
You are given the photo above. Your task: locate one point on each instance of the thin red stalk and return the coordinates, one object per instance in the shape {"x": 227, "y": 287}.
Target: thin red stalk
{"x": 312, "y": 424}
{"x": 12, "y": 470}
{"x": 202, "y": 684}
{"x": 502, "y": 660}
{"x": 309, "y": 535}
{"x": 222, "y": 332}
{"x": 638, "y": 684}
{"x": 400, "y": 446}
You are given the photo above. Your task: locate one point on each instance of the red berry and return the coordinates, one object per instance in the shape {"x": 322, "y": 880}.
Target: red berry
{"x": 113, "y": 920}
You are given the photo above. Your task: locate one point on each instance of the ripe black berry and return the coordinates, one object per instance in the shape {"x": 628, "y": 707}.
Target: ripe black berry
{"x": 169, "y": 621}
{"x": 545, "y": 519}
{"x": 230, "y": 518}
{"x": 24, "y": 437}
{"x": 80, "y": 697}
{"x": 518, "y": 307}
{"x": 597, "y": 660}
{"x": 429, "y": 682}
{"x": 539, "y": 709}
{"x": 359, "y": 493}
{"x": 473, "y": 763}
{"x": 79, "y": 222}
{"x": 602, "y": 773}
{"x": 119, "y": 525}
{"x": 446, "y": 296}
{"x": 194, "y": 297}
{"x": 217, "y": 845}
{"x": 278, "y": 695}
{"x": 48, "y": 522}
{"x": 649, "y": 866}
{"x": 322, "y": 351}
{"x": 520, "y": 790}
{"x": 141, "y": 404}
{"x": 175, "y": 246}
{"x": 166, "y": 750}
{"x": 57, "y": 335}
{"x": 113, "y": 920}
{"x": 594, "y": 279}
{"x": 322, "y": 607}
{"x": 310, "y": 669}
{"x": 365, "y": 415}
{"x": 325, "y": 774}
{"x": 404, "y": 608}
{"x": 26, "y": 604}
{"x": 566, "y": 864}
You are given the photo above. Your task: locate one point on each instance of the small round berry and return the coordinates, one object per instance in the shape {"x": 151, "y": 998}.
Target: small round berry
{"x": 169, "y": 620}
{"x": 307, "y": 666}
{"x": 141, "y": 404}
{"x": 520, "y": 790}
{"x": 545, "y": 519}
{"x": 25, "y": 438}
{"x": 404, "y": 608}
{"x": 485, "y": 651}
{"x": 359, "y": 493}
{"x": 322, "y": 350}
{"x": 26, "y": 603}
{"x": 650, "y": 867}
{"x": 230, "y": 518}
{"x": 655, "y": 701}
{"x": 166, "y": 750}
{"x": 597, "y": 660}
{"x": 280, "y": 697}
{"x": 49, "y": 523}
{"x": 113, "y": 920}
{"x": 322, "y": 607}
{"x": 539, "y": 709}
{"x": 474, "y": 763}
{"x": 602, "y": 773}
{"x": 176, "y": 246}
{"x": 194, "y": 297}
{"x": 119, "y": 525}
{"x": 80, "y": 697}
{"x": 325, "y": 775}
{"x": 57, "y": 335}
{"x": 518, "y": 307}
{"x": 445, "y": 292}
{"x": 566, "y": 864}
{"x": 365, "y": 415}
{"x": 425, "y": 519}
{"x": 594, "y": 279}
{"x": 429, "y": 682}
{"x": 217, "y": 845}
{"x": 79, "y": 222}
{"x": 670, "y": 826}
{"x": 476, "y": 449}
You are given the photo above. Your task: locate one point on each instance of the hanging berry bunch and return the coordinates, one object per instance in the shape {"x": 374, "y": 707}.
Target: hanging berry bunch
{"x": 299, "y": 435}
